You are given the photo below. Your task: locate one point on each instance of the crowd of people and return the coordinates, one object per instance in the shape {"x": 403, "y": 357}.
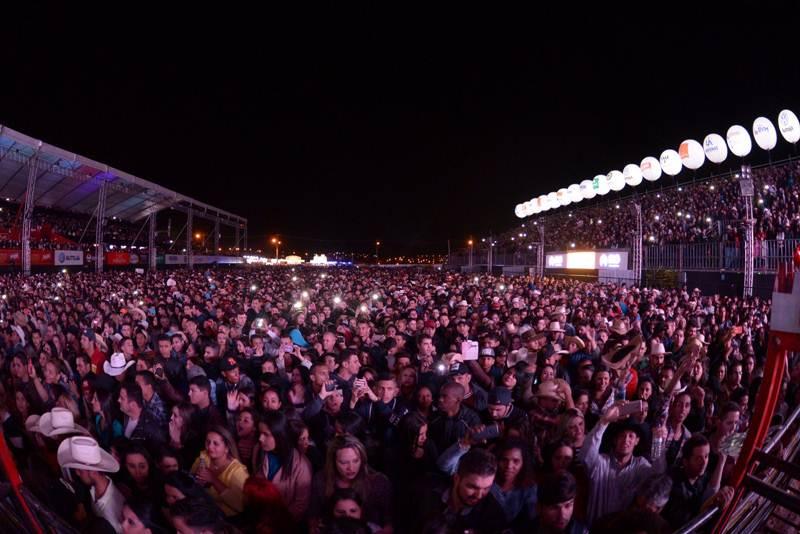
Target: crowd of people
{"x": 370, "y": 400}
{"x": 709, "y": 210}
{"x": 54, "y": 229}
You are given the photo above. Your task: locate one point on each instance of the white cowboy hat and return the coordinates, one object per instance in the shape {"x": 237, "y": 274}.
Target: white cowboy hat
{"x": 32, "y": 423}
{"x": 658, "y": 348}
{"x": 116, "y": 364}
{"x": 57, "y": 422}
{"x": 555, "y": 326}
{"x": 83, "y": 452}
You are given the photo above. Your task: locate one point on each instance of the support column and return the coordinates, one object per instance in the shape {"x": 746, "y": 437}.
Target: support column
{"x": 27, "y": 215}
{"x": 189, "y": 237}
{"x": 245, "y": 237}
{"x": 747, "y": 191}
{"x": 540, "y": 252}
{"x": 151, "y": 243}
{"x": 236, "y": 246}
{"x": 216, "y": 236}
{"x": 100, "y": 227}
{"x": 637, "y": 245}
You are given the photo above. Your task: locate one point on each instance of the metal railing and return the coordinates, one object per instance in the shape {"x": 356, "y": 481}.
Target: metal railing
{"x": 728, "y": 256}
{"x": 772, "y": 441}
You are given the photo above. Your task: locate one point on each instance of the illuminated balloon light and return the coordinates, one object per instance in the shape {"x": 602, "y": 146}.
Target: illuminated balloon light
{"x": 632, "y": 174}
{"x": 552, "y": 200}
{"x": 715, "y": 148}
{"x": 535, "y": 206}
{"x": 587, "y": 189}
{"x": 670, "y": 162}
{"x": 616, "y": 182}
{"x": 739, "y": 141}
{"x": 563, "y": 197}
{"x": 789, "y": 125}
{"x": 544, "y": 202}
{"x": 692, "y": 155}
{"x": 518, "y": 211}
{"x": 575, "y": 193}
{"x": 600, "y": 184}
{"x": 651, "y": 169}
{"x": 764, "y": 133}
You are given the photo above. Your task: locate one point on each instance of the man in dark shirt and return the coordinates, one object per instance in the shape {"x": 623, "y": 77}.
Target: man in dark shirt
{"x": 454, "y": 420}
{"x": 466, "y": 505}
{"x": 693, "y": 485}
{"x": 555, "y": 504}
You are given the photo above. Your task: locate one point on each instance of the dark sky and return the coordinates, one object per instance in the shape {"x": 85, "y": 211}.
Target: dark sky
{"x": 353, "y": 127}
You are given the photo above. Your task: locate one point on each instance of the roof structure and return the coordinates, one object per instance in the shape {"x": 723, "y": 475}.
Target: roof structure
{"x": 71, "y": 182}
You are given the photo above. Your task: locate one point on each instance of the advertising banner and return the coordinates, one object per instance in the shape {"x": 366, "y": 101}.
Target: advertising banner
{"x": 68, "y": 257}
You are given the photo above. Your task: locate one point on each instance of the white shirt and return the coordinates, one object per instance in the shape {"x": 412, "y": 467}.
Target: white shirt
{"x": 612, "y": 486}
{"x": 109, "y": 506}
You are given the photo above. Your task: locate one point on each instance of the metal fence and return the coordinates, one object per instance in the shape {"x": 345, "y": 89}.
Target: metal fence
{"x": 727, "y": 256}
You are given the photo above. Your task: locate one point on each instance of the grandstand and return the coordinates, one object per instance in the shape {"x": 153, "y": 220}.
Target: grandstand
{"x": 692, "y": 231}
{"x": 52, "y": 201}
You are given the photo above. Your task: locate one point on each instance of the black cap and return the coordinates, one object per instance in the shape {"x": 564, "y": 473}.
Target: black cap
{"x": 557, "y": 488}
{"x": 228, "y": 364}
{"x": 500, "y": 395}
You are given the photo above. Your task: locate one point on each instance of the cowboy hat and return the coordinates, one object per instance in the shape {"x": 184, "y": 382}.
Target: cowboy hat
{"x": 555, "y": 326}
{"x": 83, "y": 452}
{"x": 620, "y": 355}
{"x": 548, "y": 390}
{"x": 657, "y": 348}
{"x": 618, "y": 327}
{"x": 57, "y": 422}
{"x": 574, "y": 339}
{"x": 32, "y": 423}
{"x": 116, "y": 364}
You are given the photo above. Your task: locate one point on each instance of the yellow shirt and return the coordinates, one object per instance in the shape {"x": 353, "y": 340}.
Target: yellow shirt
{"x": 230, "y": 501}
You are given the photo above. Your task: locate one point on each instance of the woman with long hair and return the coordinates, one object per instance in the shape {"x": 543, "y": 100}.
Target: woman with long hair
{"x": 247, "y": 435}
{"x": 572, "y": 429}
{"x": 218, "y": 468}
{"x": 283, "y": 464}
{"x": 415, "y": 460}
{"x": 104, "y": 427}
{"x": 139, "y": 475}
{"x": 514, "y": 488}
{"x": 182, "y": 437}
{"x": 346, "y": 467}
{"x": 298, "y": 393}
{"x": 140, "y": 515}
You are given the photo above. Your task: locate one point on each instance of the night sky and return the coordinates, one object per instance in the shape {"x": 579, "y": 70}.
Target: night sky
{"x": 335, "y": 132}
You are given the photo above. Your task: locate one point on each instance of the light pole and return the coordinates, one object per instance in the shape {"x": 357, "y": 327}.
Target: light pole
{"x": 470, "y": 252}
{"x": 377, "y": 254}
{"x": 277, "y": 244}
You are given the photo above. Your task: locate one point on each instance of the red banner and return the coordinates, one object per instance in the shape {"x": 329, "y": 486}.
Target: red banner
{"x": 118, "y": 258}
{"x": 14, "y": 257}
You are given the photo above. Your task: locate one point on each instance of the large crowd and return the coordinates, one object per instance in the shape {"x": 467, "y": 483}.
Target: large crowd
{"x": 371, "y": 400}
{"x": 702, "y": 211}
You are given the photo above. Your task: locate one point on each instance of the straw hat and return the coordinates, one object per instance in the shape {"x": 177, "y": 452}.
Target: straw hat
{"x": 574, "y": 339}
{"x": 620, "y": 356}
{"x": 555, "y": 326}
{"x": 548, "y": 390}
